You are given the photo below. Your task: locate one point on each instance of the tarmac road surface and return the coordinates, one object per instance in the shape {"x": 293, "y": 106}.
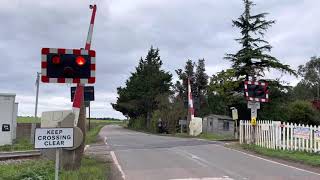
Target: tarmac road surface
{"x": 141, "y": 156}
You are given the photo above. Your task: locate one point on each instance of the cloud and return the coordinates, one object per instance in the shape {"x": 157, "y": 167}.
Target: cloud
{"x": 125, "y": 30}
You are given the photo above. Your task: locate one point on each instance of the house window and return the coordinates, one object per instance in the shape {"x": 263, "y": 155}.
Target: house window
{"x": 226, "y": 125}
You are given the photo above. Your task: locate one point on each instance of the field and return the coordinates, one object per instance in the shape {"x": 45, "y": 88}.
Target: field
{"x": 22, "y": 119}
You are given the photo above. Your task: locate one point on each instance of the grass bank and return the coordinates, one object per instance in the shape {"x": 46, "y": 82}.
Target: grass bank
{"x": 91, "y": 169}
{"x": 312, "y": 159}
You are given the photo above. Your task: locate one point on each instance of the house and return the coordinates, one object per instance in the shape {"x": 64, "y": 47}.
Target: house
{"x": 218, "y": 124}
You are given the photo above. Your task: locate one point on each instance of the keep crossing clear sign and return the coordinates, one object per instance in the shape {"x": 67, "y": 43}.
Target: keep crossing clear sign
{"x": 46, "y": 138}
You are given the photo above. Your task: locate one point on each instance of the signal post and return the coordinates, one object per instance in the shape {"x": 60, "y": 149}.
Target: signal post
{"x": 72, "y": 66}
{"x": 255, "y": 93}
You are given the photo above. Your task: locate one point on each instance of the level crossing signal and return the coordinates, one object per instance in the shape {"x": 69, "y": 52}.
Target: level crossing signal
{"x": 68, "y": 66}
{"x": 256, "y": 91}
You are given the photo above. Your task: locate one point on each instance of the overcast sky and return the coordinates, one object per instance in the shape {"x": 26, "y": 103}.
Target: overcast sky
{"x": 125, "y": 30}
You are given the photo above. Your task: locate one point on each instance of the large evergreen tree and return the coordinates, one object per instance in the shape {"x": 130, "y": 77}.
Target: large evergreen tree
{"x": 253, "y": 59}
{"x": 181, "y": 86}
{"x": 199, "y": 82}
{"x": 139, "y": 96}
{"x": 201, "y": 78}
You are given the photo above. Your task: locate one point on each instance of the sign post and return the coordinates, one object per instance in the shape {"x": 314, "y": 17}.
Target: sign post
{"x": 54, "y": 138}
{"x": 182, "y": 123}
{"x": 254, "y": 106}
{"x": 56, "y": 172}
{"x": 235, "y": 117}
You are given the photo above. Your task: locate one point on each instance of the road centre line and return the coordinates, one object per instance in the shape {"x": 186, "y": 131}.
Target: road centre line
{"x": 207, "y": 163}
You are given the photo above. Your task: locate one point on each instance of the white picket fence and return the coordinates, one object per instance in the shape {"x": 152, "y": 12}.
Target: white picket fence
{"x": 285, "y": 136}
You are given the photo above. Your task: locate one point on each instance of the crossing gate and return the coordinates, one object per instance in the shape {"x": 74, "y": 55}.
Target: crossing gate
{"x": 281, "y": 135}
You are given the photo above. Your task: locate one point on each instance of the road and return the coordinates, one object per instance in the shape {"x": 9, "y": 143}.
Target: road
{"x": 149, "y": 157}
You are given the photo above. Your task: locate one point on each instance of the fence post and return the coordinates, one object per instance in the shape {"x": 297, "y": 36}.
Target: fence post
{"x": 275, "y": 126}
{"x": 312, "y": 139}
{"x": 273, "y": 135}
{"x": 295, "y": 139}
{"x": 291, "y": 138}
{"x": 240, "y": 128}
{"x": 315, "y": 143}
{"x": 303, "y": 141}
{"x": 308, "y": 139}
{"x": 267, "y": 134}
{"x": 287, "y": 131}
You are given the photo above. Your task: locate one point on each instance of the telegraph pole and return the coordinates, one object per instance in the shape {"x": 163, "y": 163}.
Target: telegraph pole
{"x": 33, "y": 125}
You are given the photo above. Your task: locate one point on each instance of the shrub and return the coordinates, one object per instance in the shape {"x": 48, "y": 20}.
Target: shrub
{"x": 302, "y": 112}
{"x": 137, "y": 123}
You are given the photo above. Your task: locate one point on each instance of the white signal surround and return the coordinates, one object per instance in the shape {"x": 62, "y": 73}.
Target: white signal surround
{"x": 44, "y": 62}
{"x": 266, "y": 99}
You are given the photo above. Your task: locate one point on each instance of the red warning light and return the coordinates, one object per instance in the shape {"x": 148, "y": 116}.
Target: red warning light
{"x": 80, "y": 60}
{"x": 56, "y": 60}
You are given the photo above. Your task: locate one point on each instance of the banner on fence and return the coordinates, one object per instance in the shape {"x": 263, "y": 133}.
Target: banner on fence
{"x": 317, "y": 135}
{"x": 301, "y": 132}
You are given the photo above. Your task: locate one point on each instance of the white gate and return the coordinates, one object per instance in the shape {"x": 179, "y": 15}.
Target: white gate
{"x": 285, "y": 136}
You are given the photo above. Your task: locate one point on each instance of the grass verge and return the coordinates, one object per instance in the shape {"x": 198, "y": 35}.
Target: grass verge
{"x": 207, "y": 136}
{"x": 96, "y": 126}
{"x": 91, "y": 169}
{"x": 215, "y": 137}
{"x": 312, "y": 159}
{"x": 20, "y": 145}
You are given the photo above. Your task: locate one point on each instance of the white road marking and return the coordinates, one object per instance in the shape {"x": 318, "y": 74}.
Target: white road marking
{"x": 86, "y": 147}
{"x": 207, "y": 163}
{"x": 192, "y": 157}
{"x": 105, "y": 140}
{"x": 271, "y": 161}
{"x": 116, "y": 162}
{"x": 207, "y": 178}
{"x": 119, "y": 145}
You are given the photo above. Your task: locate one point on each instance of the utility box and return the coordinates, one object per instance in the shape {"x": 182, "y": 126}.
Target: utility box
{"x": 8, "y": 121}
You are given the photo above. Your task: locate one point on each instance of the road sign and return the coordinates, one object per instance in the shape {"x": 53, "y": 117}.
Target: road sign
{"x": 68, "y": 66}
{"x": 46, "y": 138}
{"x": 182, "y": 122}
{"x": 254, "y": 121}
{"x": 256, "y": 91}
{"x": 88, "y": 93}
{"x": 235, "y": 114}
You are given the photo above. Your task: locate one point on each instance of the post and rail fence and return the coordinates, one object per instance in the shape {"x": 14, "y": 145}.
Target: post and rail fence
{"x": 281, "y": 135}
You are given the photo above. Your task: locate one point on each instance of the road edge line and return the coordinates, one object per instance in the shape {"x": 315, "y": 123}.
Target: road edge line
{"x": 271, "y": 161}
{"x": 116, "y": 162}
